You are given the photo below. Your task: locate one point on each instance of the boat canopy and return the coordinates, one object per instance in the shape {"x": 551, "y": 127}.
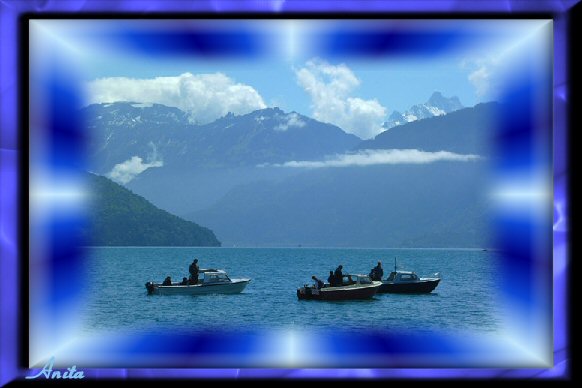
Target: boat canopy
{"x": 356, "y": 279}
{"x": 216, "y": 277}
{"x": 404, "y": 276}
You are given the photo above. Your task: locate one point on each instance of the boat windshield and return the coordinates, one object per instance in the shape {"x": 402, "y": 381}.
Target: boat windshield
{"x": 408, "y": 277}
{"x": 354, "y": 279}
{"x": 216, "y": 278}
{"x": 348, "y": 279}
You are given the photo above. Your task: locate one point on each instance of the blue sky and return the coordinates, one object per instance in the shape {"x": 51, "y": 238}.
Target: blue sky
{"x": 396, "y": 83}
{"x": 350, "y": 73}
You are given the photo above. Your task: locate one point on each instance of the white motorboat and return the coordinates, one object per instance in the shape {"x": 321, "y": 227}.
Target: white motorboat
{"x": 213, "y": 281}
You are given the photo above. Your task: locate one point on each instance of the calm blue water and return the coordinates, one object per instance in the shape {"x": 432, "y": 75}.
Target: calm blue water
{"x": 464, "y": 300}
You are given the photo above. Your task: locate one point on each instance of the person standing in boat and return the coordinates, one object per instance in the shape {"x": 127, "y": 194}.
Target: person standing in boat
{"x": 339, "y": 275}
{"x": 331, "y": 279}
{"x": 318, "y": 283}
{"x": 377, "y": 272}
{"x": 194, "y": 269}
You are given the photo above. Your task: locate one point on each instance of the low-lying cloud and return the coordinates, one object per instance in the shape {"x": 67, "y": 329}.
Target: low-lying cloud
{"x": 378, "y": 157}
{"x": 293, "y": 120}
{"x": 206, "y": 97}
{"x": 125, "y": 172}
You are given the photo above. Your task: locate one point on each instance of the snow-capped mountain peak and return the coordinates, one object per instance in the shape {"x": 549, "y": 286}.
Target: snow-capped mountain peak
{"x": 443, "y": 103}
{"x": 437, "y": 105}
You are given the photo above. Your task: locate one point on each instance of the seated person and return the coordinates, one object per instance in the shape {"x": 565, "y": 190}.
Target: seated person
{"x": 318, "y": 283}
{"x": 184, "y": 282}
{"x": 167, "y": 281}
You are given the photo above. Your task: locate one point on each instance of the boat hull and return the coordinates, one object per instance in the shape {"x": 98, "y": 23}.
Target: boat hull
{"x": 421, "y": 287}
{"x": 235, "y": 287}
{"x": 337, "y": 293}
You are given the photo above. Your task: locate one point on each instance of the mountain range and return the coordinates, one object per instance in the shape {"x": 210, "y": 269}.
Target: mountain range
{"x": 122, "y": 218}
{"x": 160, "y": 133}
{"x": 229, "y": 175}
{"x": 434, "y": 205}
{"x": 437, "y": 105}
{"x": 465, "y": 131}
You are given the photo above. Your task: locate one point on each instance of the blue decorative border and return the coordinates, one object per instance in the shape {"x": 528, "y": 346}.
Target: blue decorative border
{"x": 14, "y": 256}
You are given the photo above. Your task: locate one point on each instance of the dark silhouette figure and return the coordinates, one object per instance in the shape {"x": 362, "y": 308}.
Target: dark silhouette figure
{"x": 167, "y": 281}
{"x": 318, "y": 283}
{"x": 377, "y": 272}
{"x": 184, "y": 282}
{"x": 331, "y": 279}
{"x": 338, "y": 275}
{"x": 194, "y": 270}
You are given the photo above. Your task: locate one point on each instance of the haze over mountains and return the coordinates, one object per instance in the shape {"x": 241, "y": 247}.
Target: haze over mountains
{"x": 182, "y": 167}
{"x": 464, "y": 131}
{"x": 158, "y": 132}
{"x": 262, "y": 179}
{"x": 122, "y": 218}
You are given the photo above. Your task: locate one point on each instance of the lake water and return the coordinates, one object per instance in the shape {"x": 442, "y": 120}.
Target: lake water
{"x": 465, "y": 299}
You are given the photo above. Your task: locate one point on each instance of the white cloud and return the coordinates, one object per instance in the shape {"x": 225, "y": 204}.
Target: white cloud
{"x": 329, "y": 87}
{"x": 293, "y": 120}
{"x": 205, "y": 96}
{"x": 126, "y": 171}
{"x": 377, "y": 157}
{"x": 483, "y": 76}
{"x": 481, "y": 80}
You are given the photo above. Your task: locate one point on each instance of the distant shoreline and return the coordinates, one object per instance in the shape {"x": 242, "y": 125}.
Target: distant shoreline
{"x": 292, "y": 247}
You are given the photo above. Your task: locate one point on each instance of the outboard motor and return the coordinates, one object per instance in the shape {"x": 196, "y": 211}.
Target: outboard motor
{"x": 150, "y": 287}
